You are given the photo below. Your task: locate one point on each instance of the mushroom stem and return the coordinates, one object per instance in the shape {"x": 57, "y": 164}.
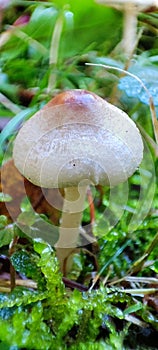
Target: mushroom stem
{"x": 70, "y": 225}
{"x": 130, "y": 28}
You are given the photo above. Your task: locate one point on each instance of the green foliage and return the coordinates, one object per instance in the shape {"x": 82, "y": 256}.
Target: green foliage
{"x": 36, "y": 225}
{"x": 6, "y": 231}
{"x": 49, "y": 319}
{"x": 149, "y": 76}
{"x": 25, "y": 263}
{"x": 46, "y": 314}
{"x": 5, "y": 197}
{"x": 20, "y": 296}
{"x": 26, "y": 329}
{"x": 12, "y": 126}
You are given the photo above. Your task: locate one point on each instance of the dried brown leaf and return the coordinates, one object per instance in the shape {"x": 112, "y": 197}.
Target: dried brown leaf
{"x": 14, "y": 184}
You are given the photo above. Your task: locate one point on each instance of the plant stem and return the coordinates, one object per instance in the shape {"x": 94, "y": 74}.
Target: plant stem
{"x": 130, "y": 28}
{"x": 12, "y": 270}
{"x": 54, "y": 52}
{"x": 9, "y": 104}
{"x": 70, "y": 224}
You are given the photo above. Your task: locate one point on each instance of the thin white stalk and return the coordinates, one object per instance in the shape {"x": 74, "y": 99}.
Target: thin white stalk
{"x": 18, "y": 282}
{"x": 139, "y": 291}
{"x": 146, "y": 280}
{"x": 70, "y": 225}
{"x": 4, "y": 37}
{"x": 134, "y": 279}
{"x": 54, "y": 51}
{"x": 135, "y": 320}
{"x": 9, "y": 104}
{"x": 129, "y": 29}
{"x": 28, "y": 39}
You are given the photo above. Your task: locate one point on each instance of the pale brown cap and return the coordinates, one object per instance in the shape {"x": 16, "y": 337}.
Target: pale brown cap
{"x": 141, "y": 5}
{"x": 78, "y": 136}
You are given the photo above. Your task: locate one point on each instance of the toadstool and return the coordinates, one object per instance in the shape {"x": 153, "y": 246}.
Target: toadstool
{"x": 131, "y": 9}
{"x": 75, "y": 140}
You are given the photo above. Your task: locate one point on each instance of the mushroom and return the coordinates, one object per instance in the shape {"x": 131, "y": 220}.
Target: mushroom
{"x": 131, "y": 9}
{"x": 75, "y": 140}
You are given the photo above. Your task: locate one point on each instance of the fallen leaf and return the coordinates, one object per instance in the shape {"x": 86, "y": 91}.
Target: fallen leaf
{"x": 43, "y": 201}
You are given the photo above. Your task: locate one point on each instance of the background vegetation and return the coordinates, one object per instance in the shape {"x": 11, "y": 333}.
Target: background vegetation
{"x": 110, "y": 301}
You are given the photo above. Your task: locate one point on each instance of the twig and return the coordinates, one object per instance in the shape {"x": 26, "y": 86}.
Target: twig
{"x": 4, "y": 289}
{"x": 19, "y": 282}
{"x": 135, "y": 320}
{"x": 131, "y": 279}
{"x": 106, "y": 277}
{"x": 5, "y": 286}
{"x": 8, "y": 104}
{"x": 74, "y": 285}
{"x": 139, "y": 291}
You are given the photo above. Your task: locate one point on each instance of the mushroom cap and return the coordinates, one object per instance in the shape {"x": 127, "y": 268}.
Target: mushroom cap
{"x": 141, "y": 5}
{"x": 78, "y": 136}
